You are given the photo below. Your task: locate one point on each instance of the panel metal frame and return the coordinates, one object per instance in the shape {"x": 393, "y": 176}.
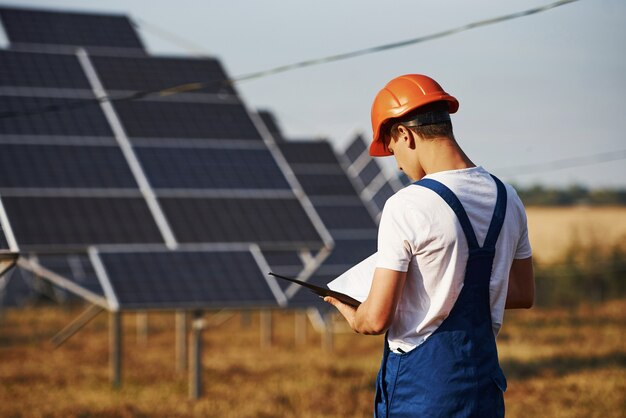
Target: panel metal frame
{"x": 127, "y": 149}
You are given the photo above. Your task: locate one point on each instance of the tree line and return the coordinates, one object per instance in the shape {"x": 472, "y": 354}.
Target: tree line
{"x": 538, "y": 195}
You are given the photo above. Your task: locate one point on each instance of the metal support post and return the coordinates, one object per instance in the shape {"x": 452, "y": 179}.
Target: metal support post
{"x": 115, "y": 348}
{"x": 195, "y": 370}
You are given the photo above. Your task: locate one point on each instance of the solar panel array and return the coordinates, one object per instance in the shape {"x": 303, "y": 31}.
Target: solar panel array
{"x": 336, "y": 200}
{"x": 117, "y": 186}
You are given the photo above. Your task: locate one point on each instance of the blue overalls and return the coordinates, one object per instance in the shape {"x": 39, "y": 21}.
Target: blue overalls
{"x": 455, "y": 372}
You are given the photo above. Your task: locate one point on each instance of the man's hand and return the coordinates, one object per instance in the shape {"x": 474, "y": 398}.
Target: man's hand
{"x": 348, "y": 312}
{"x": 376, "y": 313}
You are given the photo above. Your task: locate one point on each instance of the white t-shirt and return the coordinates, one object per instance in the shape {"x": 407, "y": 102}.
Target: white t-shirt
{"x": 420, "y": 233}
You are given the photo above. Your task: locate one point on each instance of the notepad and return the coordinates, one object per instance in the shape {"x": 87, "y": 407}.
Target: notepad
{"x": 351, "y": 288}
{"x": 357, "y": 281}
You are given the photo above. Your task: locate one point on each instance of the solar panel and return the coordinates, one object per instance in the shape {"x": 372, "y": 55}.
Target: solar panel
{"x": 309, "y": 152}
{"x": 381, "y": 196}
{"x": 404, "y": 179}
{"x": 346, "y": 217}
{"x": 41, "y": 222}
{"x": 171, "y": 167}
{"x": 54, "y": 166}
{"x": 74, "y": 267}
{"x": 272, "y": 125}
{"x": 326, "y": 184}
{"x": 185, "y": 120}
{"x": 157, "y": 73}
{"x": 4, "y": 243}
{"x": 348, "y": 252}
{"x": 86, "y": 119}
{"x": 17, "y": 290}
{"x": 24, "y": 26}
{"x": 264, "y": 221}
{"x": 369, "y": 172}
{"x": 355, "y": 149}
{"x": 41, "y": 70}
{"x": 172, "y": 279}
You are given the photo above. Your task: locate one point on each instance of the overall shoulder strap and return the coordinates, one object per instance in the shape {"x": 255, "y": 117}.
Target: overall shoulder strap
{"x": 455, "y": 204}
{"x": 498, "y": 215}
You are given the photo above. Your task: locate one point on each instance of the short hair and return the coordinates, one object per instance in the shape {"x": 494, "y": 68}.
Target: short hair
{"x": 429, "y": 131}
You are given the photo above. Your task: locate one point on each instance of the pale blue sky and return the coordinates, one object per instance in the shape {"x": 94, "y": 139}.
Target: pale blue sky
{"x": 540, "y": 88}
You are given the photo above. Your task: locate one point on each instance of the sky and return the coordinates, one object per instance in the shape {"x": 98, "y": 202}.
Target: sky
{"x": 542, "y": 88}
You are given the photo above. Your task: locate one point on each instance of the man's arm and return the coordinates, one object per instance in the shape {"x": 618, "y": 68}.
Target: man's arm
{"x": 375, "y": 314}
{"x": 521, "y": 292}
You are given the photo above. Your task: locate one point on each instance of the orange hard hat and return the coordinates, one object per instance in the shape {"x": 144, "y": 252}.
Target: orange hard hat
{"x": 399, "y": 97}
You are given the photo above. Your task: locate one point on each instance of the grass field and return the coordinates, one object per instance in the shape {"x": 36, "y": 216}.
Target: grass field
{"x": 560, "y": 363}
{"x": 552, "y": 230}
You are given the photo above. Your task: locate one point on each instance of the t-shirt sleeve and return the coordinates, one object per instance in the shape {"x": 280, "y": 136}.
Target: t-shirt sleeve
{"x": 394, "y": 237}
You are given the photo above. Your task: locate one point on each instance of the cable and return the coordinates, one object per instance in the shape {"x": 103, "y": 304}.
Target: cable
{"x": 554, "y": 165}
{"x": 288, "y": 67}
{"x": 400, "y": 44}
{"x": 192, "y": 47}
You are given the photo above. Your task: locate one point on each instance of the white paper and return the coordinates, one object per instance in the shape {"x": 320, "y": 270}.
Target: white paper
{"x": 357, "y": 281}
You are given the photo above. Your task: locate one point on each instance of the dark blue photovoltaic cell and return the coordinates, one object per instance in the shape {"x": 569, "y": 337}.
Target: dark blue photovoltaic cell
{"x": 326, "y": 184}
{"x": 4, "y": 244}
{"x": 74, "y": 267}
{"x": 186, "y": 279}
{"x": 18, "y": 291}
{"x": 64, "y": 166}
{"x": 285, "y": 263}
{"x": 351, "y": 252}
{"x": 272, "y": 125}
{"x": 264, "y": 221}
{"x": 345, "y": 217}
{"x": 355, "y": 149}
{"x": 27, "y": 69}
{"x": 382, "y": 195}
{"x": 82, "y": 120}
{"x": 369, "y": 172}
{"x": 153, "y": 74}
{"x": 63, "y": 28}
{"x": 404, "y": 179}
{"x": 186, "y": 120}
{"x": 79, "y": 221}
{"x": 318, "y": 152}
{"x": 304, "y": 298}
{"x": 211, "y": 168}
{"x": 282, "y": 258}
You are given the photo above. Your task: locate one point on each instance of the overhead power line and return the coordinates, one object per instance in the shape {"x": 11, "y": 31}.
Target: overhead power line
{"x": 281, "y": 69}
{"x": 401, "y": 44}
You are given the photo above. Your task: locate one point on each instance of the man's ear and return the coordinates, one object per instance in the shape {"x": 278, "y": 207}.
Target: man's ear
{"x": 407, "y": 135}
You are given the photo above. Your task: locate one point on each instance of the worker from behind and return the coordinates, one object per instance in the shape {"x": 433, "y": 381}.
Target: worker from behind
{"x": 453, "y": 254}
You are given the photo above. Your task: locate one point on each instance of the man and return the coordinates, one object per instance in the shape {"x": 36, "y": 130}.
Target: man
{"x": 453, "y": 253}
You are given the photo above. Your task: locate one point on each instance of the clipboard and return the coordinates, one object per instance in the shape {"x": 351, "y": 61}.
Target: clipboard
{"x": 320, "y": 291}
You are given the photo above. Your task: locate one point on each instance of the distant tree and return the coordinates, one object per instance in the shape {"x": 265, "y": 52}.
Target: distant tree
{"x": 538, "y": 195}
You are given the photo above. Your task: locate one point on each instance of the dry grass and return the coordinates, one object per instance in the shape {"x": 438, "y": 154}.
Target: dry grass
{"x": 559, "y": 363}
{"x": 552, "y": 230}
